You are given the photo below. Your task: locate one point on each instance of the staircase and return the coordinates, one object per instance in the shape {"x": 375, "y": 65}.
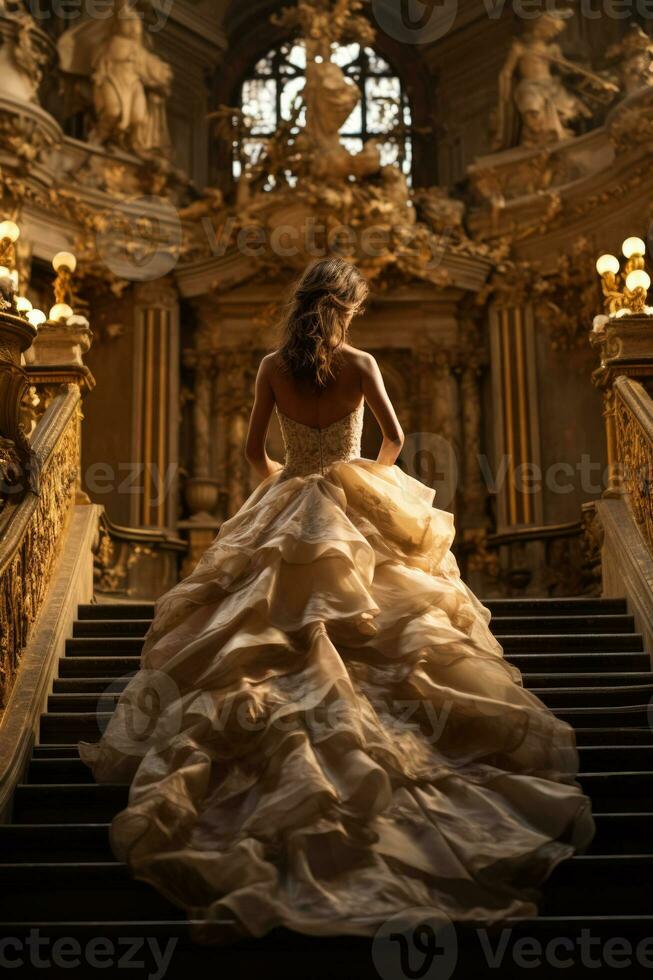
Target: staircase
{"x": 582, "y": 657}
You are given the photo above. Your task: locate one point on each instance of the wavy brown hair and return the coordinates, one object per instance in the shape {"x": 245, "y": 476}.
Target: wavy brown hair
{"x": 325, "y": 299}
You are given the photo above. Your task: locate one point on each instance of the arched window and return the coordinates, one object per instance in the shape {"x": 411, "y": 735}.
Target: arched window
{"x": 272, "y": 89}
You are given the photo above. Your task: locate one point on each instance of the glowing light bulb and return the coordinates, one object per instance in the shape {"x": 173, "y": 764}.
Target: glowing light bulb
{"x": 64, "y": 260}
{"x": 638, "y": 280}
{"x": 633, "y": 246}
{"x": 36, "y": 317}
{"x": 23, "y": 305}
{"x": 607, "y": 263}
{"x": 9, "y": 230}
{"x": 60, "y": 311}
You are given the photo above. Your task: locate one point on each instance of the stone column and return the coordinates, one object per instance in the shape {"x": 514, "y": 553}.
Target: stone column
{"x": 473, "y": 488}
{"x": 236, "y": 371}
{"x": 515, "y": 416}
{"x": 435, "y": 442}
{"x": 202, "y": 489}
{"x": 155, "y": 432}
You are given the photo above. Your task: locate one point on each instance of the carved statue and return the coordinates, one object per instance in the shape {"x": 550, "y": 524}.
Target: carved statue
{"x": 130, "y": 83}
{"x": 307, "y": 191}
{"x": 322, "y": 23}
{"x": 24, "y": 52}
{"x": 329, "y": 96}
{"x": 330, "y": 99}
{"x": 634, "y": 54}
{"x": 545, "y": 106}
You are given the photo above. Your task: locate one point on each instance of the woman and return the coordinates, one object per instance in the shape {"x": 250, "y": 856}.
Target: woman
{"x": 324, "y": 732}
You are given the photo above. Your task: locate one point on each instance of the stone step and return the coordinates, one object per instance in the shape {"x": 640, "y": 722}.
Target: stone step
{"x": 582, "y": 883}
{"x": 618, "y": 792}
{"x": 102, "y": 628}
{"x": 51, "y": 842}
{"x": 593, "y": 697}
{"x": 527, "y": 625}
{"x": 54, "y": 751}
{"x": 568, "y": 625}
{"x": 585, "y": 679}
{"x": 614, "y": 736}
{"x": 579, "y": 661}
{"x": 621, "y": 833}
{"x": 569, "y": 643}
{"x": 563, "y": 606}
{"x": 68, "y": 727}
{"x": 69, "y": 803}
{"x": 105, "y": 701}
{"x": 616, "y": 833}
{"x": 537, "y": 607}
{"x": 538, "y": 670}
{"x": 616, "y": 758}
{"x": 106, "y": 890}
{"x": 106, "y": 666}
{"x": 93, "y": 891}
{"x": 629, "y": 792}
{"x": 105, "y": 646}
{"x": 513, "y": 644}
{"x": 101, "y": 684}
{"x": 71, "y": 769}
{"x": 116, "y": 610}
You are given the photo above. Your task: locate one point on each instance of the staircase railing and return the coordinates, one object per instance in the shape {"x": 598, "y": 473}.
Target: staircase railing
{"x": 135, "y": 563}
{"x": 31, "y": 530}
{"x": 634, "y": 435}
{"x": 625, "y": 513}
{"x": 40, "y": 460}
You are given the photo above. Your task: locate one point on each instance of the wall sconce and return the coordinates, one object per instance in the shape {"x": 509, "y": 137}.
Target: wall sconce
{"x": 625, "y": 290}
{"x": 64, "y": 264}
{"x": 9, "y": 279}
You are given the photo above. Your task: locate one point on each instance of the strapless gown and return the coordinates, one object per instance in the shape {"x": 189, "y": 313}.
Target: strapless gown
{"x": 324, "y": 732}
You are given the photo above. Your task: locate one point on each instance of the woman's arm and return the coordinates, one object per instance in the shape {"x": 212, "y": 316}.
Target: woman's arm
{"x": 259, "y": 422}
{"x": 377, "y": 398}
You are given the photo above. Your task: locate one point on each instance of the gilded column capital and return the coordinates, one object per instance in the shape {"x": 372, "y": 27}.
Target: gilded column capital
{"x": 157, "y": 294}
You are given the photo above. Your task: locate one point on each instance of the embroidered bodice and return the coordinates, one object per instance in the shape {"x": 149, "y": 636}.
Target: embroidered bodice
{"x": 311, "y": 450}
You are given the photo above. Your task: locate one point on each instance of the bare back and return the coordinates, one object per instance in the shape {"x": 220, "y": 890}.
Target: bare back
{"x": 357, "y": 377}
{"x": 319, "y": 407}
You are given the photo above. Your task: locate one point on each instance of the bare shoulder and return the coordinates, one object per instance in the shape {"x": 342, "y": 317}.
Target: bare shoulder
{"x": 361, "y": 359}
{"x": 269, "y": 365}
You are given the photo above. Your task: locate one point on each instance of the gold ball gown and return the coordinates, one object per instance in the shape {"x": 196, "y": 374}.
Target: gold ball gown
{"x": 324, "y": 733}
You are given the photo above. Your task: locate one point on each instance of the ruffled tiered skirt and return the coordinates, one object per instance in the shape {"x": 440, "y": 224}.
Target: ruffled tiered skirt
{"x": 324, "y": 732}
